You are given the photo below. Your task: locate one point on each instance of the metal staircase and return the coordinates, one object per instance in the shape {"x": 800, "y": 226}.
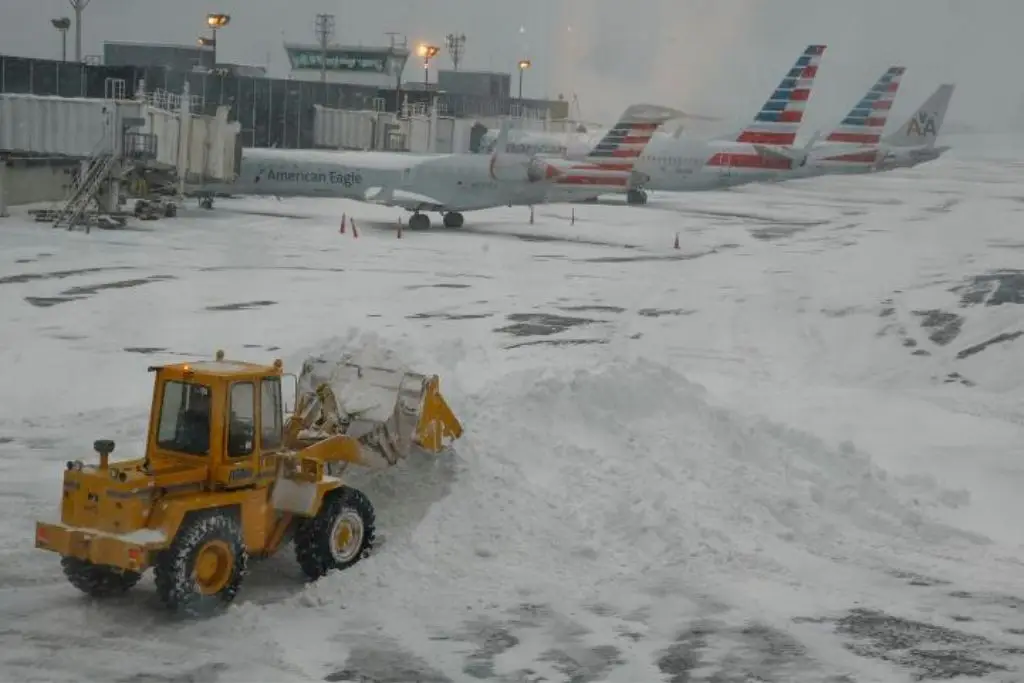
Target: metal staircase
{"x": 85, "y": 191}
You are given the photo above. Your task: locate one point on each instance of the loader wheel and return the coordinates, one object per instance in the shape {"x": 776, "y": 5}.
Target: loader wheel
{"x": 202, "y": 570}
{"x": 340, "y": 534}
{"x": 98, "y": 580}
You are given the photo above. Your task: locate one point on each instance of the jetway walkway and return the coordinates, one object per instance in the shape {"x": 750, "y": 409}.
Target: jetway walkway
{"x": 158, "y": 129}
{"x": 119, "y": 141}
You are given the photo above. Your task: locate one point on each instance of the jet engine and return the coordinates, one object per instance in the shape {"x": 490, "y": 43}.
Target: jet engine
{"x": 509, "y": 168}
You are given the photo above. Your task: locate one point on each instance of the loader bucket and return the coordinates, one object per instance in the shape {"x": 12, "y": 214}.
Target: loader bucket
{"x": 386, "y": 409}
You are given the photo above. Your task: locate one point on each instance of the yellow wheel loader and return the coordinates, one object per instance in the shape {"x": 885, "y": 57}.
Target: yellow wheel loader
{"x": 227, "y": 477}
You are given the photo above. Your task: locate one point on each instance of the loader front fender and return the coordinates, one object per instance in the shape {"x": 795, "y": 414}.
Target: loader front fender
{"x": 302, "y": 498}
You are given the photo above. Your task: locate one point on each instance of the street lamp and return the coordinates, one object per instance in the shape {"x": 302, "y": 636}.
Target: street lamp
{"x": 427, "y": 52}
{"x": 216, "y": 22}
{"x": 62, "y": 25}
{"x": 523, "y": 65}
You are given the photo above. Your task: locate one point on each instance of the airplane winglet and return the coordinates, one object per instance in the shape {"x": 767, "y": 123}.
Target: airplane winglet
{"x": 501, "y": 142}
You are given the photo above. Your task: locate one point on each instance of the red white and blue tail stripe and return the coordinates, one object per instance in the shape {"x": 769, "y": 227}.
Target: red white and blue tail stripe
{"x": 621, "y": 146}
{"x": 866, "y": 121}
{"x": 612, "y": 161}
{"x": 779, "y": 119}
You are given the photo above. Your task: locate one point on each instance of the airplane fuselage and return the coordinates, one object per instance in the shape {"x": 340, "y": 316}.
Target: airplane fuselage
{"x": 315, "y": 173}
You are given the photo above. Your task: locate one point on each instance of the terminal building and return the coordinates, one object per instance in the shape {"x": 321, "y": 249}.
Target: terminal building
{"x": 378, "y": 67}
{"x": 277, "y": 112}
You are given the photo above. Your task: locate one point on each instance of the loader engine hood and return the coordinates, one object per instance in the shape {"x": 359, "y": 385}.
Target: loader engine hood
{"x": 114, "y": 500}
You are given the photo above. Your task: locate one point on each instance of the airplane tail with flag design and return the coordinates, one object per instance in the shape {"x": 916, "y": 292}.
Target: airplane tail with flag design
{"x": 621, "y": 146}
{"x": 866, "y": 121}
{"x": 922, "y": 129}
{"x": 779, "y": 119}
{"x": 611, "y": 164}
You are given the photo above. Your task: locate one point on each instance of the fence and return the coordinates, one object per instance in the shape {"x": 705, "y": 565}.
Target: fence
{"x": 272, "y": 112}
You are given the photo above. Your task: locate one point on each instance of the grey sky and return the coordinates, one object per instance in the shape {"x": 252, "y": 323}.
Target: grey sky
{"x": 714, "y": 56}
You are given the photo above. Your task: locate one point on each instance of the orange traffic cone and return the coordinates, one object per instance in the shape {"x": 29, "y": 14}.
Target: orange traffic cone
{"x": 355, "y": 232}
{"x": 675, "y": 245}
{"x": 342, "y": 231}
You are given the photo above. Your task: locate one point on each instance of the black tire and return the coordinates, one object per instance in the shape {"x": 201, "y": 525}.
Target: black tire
{"x": 179, "y": 586}
{"x": 316, "y": 545}
{"x": 98, "y": 580}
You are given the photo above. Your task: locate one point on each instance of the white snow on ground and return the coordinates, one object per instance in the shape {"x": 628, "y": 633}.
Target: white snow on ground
{"x": 736, "y": 448}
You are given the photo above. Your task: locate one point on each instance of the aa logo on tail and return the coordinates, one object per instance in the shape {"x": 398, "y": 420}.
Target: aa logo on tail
{"x": 922, "y": 125}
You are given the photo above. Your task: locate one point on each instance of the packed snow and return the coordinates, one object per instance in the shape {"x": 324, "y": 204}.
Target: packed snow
{"x": 789, "y": 450}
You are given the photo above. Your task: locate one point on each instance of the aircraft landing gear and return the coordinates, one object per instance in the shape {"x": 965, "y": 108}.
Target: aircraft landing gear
{"x": 453, "y": 219}
{"x": 636, "y": 197}
{"x": 419, "y": 221}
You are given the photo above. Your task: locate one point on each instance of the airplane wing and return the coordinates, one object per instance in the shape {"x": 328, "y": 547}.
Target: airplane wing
{"x": 411, "y": 201}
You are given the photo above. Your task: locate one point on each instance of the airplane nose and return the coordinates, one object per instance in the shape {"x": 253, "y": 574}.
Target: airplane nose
{"x": 551, "y": 172}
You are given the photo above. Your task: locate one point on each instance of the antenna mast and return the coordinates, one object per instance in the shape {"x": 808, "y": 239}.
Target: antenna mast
{"x": 324, "y": 29}
{"x": 78, "y": 6}
{"x": 456, "y": 45}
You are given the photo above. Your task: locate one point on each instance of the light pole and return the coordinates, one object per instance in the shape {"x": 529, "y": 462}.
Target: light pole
{"x": 427, "y": 52}
{"x": 62, "y": 25}
{"x": 79, "y": 7}
{"x": 216, "y": 22}
{"x": 523, "y": 65}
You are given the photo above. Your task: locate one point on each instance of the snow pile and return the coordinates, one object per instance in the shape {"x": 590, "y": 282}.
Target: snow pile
{"x": 629, "y": 470}
{"x": 637, "y": 454}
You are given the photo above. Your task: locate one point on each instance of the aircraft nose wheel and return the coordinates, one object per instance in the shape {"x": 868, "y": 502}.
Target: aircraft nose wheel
{"x": 453, "y": 219}
{"x": 419, "y": 221}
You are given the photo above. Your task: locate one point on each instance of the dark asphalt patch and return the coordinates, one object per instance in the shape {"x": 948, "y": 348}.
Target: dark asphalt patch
{"x": 242, "y": 305}
{"x": 998, "y": 339}
{"x": 594, "y": 308}
{"x": 144, "y": 350}
{"x": 915, "y": 579}
{"x": 309, "y": 269}
{"x": 440, "y": 285}
{"x": 85, "y": 291}
{"x": 928, "y": 650}
{"x": 532, "y": 324}
{"x": 55, "y": 275}
{"x": 385, "y": 665}
{"x": 776, "y": 232}
{"x": 88, "y": 290}
{"x": 660, "y": 312}
{"x": 993, "y": 289}
{"x": 644, "y": 259}
{"x": 943, "y": 326}
{"x": 448, "y": 316}
{"x": 558, "y": 342}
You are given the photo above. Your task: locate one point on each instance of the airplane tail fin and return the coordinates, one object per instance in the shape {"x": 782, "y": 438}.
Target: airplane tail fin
{"x": 623, "y": 143}
{"x": 866, "y": 121}
{"x": 501, "y": 142}
{"x": 922, "y": 129}
{"x": 779, "y": 119}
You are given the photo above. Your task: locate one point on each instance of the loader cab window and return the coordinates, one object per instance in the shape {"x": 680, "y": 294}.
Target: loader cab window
{"x": 242, "y": 420}
{"x": 184, "y": 425}
{"x": 270, "y": 413}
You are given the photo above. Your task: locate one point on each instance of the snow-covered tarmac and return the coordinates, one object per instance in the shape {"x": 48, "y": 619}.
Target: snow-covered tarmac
{"x": 790, "y": 450}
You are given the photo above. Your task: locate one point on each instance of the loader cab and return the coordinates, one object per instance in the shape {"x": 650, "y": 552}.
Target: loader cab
{"x": 216, "y": 422}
